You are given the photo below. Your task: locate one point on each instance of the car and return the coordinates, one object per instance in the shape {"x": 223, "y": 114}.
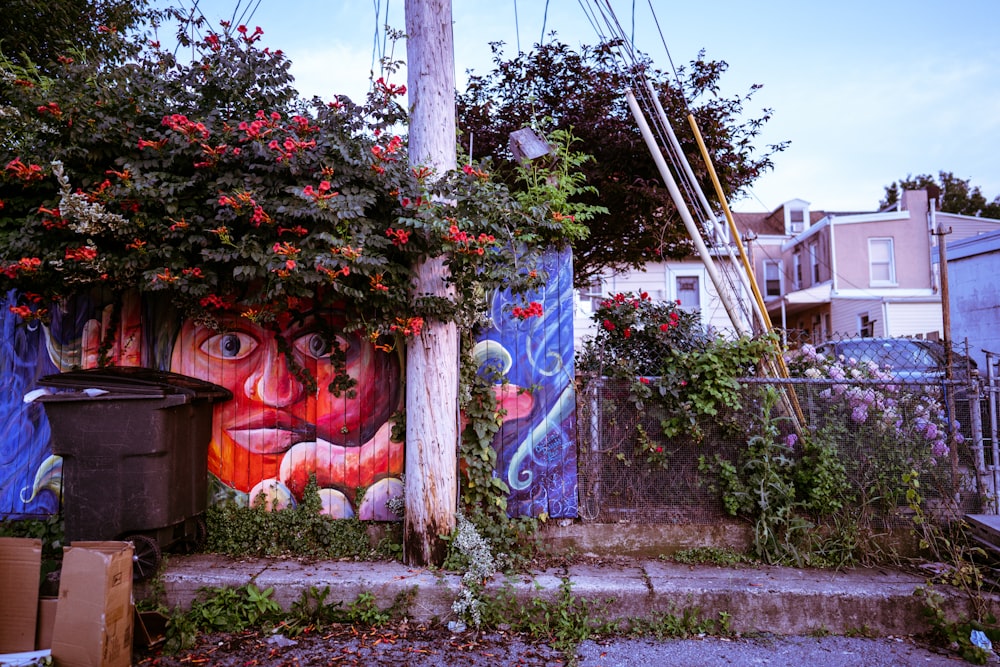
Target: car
{"x": 906, "y": 359}
{"x": 914, "y": 362}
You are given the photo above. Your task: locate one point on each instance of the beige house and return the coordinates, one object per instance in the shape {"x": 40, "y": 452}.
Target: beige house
{"x": 821, "y": 274}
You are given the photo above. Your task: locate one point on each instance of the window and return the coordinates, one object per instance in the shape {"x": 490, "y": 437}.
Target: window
{"x": 881, "y": 263}
{"x": 772, "y": 278}
{"x": 590, "y": 296}
{"x": 796, "y": 220}
{"x": 814, "y": 261}
{"x": 688, "y": 292}
{"x": 797, "y": 267}
{"x": 866, "y": 326}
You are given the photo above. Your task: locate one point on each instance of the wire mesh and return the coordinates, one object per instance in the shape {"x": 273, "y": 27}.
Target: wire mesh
{"x": 886, "y": 408}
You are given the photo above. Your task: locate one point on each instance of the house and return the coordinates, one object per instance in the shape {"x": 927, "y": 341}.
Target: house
{"x": 685, "y": 281}
{"x": 973, "y": 265}
{"x": 854, "y": 274}
{"x": 821, "y": 274}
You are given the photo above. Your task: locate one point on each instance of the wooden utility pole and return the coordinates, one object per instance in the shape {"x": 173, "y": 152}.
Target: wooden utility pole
{"x": 432, "y": 358}
{"x": 949, "y": 374}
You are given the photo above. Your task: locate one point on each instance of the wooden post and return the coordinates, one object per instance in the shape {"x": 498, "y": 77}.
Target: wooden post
{"x": 949, "y": 374}
{"x": 432, "y": 358}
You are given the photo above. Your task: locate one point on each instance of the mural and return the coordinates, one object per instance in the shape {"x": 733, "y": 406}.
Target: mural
{"x": 537, "y": 445}
{"x": 29, "y": 475}
{"x": 276, "y": 432}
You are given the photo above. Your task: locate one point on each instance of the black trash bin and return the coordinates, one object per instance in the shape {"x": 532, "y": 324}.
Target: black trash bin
{"x": 134, "y": 443}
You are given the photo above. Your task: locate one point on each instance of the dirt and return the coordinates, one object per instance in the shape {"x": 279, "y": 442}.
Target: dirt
{"x": 400, "y": 644}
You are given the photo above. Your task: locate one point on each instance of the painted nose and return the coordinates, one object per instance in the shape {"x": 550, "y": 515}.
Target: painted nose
{"x": 271, "y": 382}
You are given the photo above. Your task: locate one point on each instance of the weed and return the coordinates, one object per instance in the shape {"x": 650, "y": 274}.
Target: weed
{"x": 468, "y": 550}
{"x": 956, "y": 635}
{"x": 563, "y": 622}
{"x": 245, "y": 608}
{"x": 234, "y": 530}
{"x": 864, "y": 632}
{"x": 221, "y": 609}
{"x": 721, "y": 556}
{"x": 686, "y": 623}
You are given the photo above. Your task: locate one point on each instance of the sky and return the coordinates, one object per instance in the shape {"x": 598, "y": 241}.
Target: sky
{"x": 867, "y": 92}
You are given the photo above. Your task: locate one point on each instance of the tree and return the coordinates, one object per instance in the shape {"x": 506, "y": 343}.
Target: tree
{"x": 584, "y": 91}
{"x": 956, "y": 195}
{"x": 34, "y": 32}
{"x": 213, "y": 187}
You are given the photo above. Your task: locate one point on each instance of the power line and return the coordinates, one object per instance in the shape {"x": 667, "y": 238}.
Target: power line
{"x": 517, "y": 28}
{"x": 545, "y": 19}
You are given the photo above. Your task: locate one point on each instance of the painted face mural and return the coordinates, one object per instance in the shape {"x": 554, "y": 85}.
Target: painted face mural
{"x": 275, "y": 432}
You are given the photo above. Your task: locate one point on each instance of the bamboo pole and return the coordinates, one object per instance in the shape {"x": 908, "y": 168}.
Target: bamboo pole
{"x": 778, "y": 361}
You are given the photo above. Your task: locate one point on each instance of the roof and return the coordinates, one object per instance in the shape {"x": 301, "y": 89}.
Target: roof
{"x": 770, "y": 224}
{"x": 973, "y": 245}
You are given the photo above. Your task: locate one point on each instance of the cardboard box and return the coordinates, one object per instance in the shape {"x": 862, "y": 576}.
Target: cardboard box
{"x": 93, "y": 626}
{"x": 150, "y": 628}
{"x": 46, "y": 621}
{"x": 20, "y": 573}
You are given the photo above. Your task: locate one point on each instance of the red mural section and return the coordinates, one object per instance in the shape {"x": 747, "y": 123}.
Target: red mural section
{"x": 288, "y": 419}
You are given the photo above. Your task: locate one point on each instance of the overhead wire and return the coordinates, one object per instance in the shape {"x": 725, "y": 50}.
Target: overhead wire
{"x": 715, "y": 237}
{"x": 736, "y": 275}
{"x": 545, "y": 20}
{"x": 517, "y": 28}
{"x": 378, "y": 41}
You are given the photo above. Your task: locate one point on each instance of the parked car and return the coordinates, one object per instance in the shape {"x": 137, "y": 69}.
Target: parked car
{"x": 908, "y": 359}
{"x": 917, "y": 361}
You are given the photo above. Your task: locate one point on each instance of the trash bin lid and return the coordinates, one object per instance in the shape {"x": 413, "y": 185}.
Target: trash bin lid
{"x": 136, "y": 381}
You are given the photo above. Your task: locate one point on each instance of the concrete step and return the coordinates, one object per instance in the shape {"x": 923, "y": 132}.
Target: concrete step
{"x": 778, "y": 600}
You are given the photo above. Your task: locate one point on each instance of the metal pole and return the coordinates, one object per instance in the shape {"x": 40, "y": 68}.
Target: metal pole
{"x": 994, "y": 445}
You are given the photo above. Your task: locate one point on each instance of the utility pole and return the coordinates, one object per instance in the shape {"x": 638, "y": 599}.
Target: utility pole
{"x": 949, "y": 357}
{"x": 432, "y": 359}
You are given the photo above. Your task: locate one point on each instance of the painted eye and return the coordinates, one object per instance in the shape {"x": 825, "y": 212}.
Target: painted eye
{"x": 314, "y": 345}
{"x": 230, "y": 345}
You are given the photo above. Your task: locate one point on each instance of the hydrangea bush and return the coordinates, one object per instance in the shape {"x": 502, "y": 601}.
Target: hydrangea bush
{"x": 883, "y": 428}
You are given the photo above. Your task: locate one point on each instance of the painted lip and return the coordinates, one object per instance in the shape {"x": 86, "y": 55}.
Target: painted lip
{"x": 271, "y": 433}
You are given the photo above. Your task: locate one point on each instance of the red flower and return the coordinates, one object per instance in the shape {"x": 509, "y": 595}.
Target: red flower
{"x": 408, "y": 327}
{"x": 51, "y": 108}
{"x": 23, "y": 172}
{"x": 157, "y": 145}
{"x": 534, "y": 309}
{"x": 469, "y": 170}
{"x": 399, "y": 236}
{"x": 81, "y": 254}
{"x": 609, "y": 325}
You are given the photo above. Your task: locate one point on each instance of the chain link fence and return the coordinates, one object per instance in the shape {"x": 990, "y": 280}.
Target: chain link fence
{"x": 885, "y": 408}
